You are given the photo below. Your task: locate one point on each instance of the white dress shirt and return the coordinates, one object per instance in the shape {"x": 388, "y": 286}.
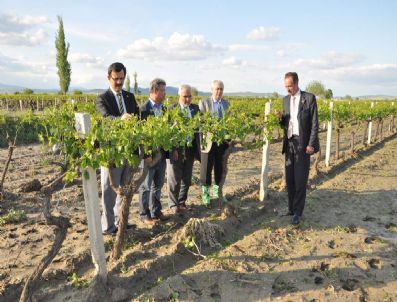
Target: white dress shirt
{"x": 293, "y": 127}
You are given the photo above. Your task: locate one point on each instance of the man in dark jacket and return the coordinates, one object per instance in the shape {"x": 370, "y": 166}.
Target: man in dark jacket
{"x": 150, "y": 208}
{"x": 180, "y": 163}
{"x": 300, "y": 123}
{"x": 115, "y": 103}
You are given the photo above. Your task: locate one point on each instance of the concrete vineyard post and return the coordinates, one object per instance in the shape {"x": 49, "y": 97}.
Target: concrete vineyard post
{"x": 370, "y": 126}
{"x": 265, "y": 158}
{"x": 90, "y": 189}
{"x": 329, "y": 135}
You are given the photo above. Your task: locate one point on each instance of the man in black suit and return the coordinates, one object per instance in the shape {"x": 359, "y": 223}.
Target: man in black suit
{"x": 150, "y": 189}
{"x": 180, "y": 163}
{"x": 300, "y": 123}
{"x": 115, "y": 103}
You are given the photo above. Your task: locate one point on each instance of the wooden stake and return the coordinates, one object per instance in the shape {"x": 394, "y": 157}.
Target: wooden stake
{"x": 90, "y": 189}
{"x": 265, "y": 158}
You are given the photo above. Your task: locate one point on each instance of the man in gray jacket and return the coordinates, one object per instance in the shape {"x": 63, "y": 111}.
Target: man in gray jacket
{"x": 212, "y": 154}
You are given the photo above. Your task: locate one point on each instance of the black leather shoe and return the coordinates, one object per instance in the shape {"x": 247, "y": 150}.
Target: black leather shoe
{"x": 296, "y": 219}
{"x": 160, "y": 216}
{"x": 130, "y": 226}
{"x": 113, "y": 233}
{"x": 289, "y": 213}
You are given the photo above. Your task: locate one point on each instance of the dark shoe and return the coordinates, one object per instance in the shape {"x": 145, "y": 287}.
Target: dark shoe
{"x": 184, "y": 208}
{"x": 148, "y": 221}
{"x": 130, "y": 226}
{"x": 113, "y": 233}
{"x": 296, "y": 220}
{"x": 289, "y": 213}
{"x": 161, "y": 217}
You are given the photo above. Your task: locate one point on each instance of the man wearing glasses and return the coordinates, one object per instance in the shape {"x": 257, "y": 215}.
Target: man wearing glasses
{"x": 115, "y": 103}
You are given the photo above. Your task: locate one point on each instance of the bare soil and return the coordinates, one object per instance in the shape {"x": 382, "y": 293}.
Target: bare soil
{"x": 344, "y": 249}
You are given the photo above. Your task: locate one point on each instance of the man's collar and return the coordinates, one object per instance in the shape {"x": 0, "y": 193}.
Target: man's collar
{"x": 215, "y": 101}
{"x": 297, "y": 94}
{"x": 154, "y": 104}
{"x": 116, "y": 93}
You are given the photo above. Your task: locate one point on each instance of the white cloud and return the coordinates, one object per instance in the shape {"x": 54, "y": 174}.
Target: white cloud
{"x": 264, "y": 33}
{"x": 374, "y": 74}
{"x": 234, "y": 62}
{"x": 330, "y": 60}
{"x": 25, "y": 38}
{"x": 14, "y": 23}
{"x": 247, "y": 47}
{"x": 90, "y": 34}
{"x": 23, "y": 65}
{"x": 20, "y": 30}
{"x": 176, "y": 48}
{"x": 87, "y": 59}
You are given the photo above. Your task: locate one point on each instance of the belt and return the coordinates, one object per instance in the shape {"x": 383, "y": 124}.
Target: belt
{"x": 294, "y": 137}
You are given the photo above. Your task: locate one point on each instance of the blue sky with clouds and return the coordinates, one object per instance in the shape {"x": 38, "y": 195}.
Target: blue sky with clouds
{"x": 349, "y": 45}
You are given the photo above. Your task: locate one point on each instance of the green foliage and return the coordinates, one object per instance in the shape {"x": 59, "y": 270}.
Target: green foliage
{"x": 136, "y": 88}
{"x": 62, "y": 63}
{"x": 317, "y": 88}
{"x": 127, "y": 84}
{"x": 194, "y": 91}
{"x": 77, "y": 92}
{"x": 27, "y": 91}
{"x": 78, "y": 282}
{"x": 328, "y": 94}
{"x": 13, "y": 216}
{"x": 174, "y": 296}
{"x": 25, "y": 125}
{"x": 189, "y": 243}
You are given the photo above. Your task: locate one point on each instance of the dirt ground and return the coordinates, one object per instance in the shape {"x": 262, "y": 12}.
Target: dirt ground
{"x": 344, "y": 249}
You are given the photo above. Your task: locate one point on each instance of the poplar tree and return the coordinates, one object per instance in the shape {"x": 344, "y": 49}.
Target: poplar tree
{"x": 127, "y": 84}
{"x": 64, "y": 68}
{"x": 136, "y": 88}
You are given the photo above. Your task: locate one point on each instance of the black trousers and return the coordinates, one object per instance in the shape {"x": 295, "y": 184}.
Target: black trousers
{"x": 297, "y": 165}
{"x": 212, "y": 160}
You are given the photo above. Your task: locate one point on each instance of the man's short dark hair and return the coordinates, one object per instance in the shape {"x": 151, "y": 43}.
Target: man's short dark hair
{"x": 292, "y": 75}
{"x": 117, "y": 67}
{"x": 156, "y": 83}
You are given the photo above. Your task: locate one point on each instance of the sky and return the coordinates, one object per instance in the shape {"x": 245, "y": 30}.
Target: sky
{"x": 350, "y": 45}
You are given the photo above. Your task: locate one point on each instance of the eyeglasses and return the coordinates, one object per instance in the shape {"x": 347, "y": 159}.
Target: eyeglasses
{"x": 187, "y": 96}
{"x": 117, "y": 79}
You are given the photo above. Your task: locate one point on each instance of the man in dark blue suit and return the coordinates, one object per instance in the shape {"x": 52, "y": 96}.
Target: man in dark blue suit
{"x": 115, "y": 103}
{"x": 300, "y": 123}
{"x": 150, "y": 208}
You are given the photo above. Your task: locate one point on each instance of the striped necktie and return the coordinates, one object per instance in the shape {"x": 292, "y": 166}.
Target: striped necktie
{"x": 120, "y": 101}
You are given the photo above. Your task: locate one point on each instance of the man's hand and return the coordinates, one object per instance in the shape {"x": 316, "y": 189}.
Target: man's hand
{"x": 309, "y": 150}
{"x": 175, "y": 155}
{"x": 279, "y": 114}
{"x": 125, "y": 116}
{"x": 148, "y": 160}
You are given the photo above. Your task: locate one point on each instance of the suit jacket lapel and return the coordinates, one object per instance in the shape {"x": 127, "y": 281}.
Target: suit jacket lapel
{"x": 126, "y": 102}
{"x": 302, "y": 101}
{"x": 192, "y": 110}
{"x": 113, "y": 102}
{"x": 287, "y": 107}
